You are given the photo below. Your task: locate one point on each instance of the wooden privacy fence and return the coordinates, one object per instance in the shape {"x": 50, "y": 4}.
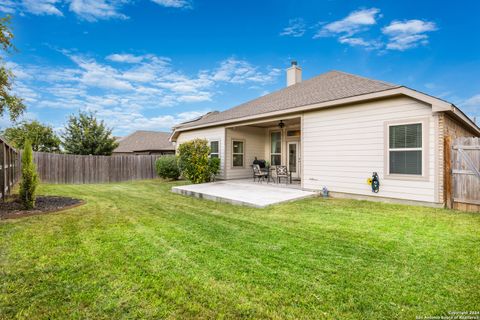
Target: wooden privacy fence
{"x": 463, "y": 189}
{"x": 8, "y": 168}
{"x": 76, "y": 169}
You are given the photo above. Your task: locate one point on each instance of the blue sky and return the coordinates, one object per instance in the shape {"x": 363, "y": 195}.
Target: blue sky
{"x": 148, "y": 64}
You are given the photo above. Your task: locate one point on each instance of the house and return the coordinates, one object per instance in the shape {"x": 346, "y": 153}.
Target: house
{"x": 336, "y": 130}
{"x": 145, "y": 142}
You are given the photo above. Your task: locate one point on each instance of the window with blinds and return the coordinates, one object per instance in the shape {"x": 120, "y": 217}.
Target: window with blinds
{"x": 405, "y": 149}
{"x": 237, "y": 153}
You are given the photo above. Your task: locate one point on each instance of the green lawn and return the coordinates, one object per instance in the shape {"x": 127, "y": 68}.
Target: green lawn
{"x": 136, "y": 250}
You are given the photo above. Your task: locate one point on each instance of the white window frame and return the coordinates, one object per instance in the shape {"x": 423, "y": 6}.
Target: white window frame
{"x": 242, "y": 153}
{"x": 281, "y": 146}
{"x": 218, "y": 152}
{"x": 424, "y": 122}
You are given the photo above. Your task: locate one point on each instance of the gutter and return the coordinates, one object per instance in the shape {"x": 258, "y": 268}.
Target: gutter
{"x": 438, "y": 105}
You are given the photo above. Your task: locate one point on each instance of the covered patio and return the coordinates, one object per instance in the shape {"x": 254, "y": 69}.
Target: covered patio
{"x": 273, "y": 142}
{"x": 245, "y": 192}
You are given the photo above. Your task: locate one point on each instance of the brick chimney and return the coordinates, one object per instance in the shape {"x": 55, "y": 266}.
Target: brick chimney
{"x": 294, "y": 74}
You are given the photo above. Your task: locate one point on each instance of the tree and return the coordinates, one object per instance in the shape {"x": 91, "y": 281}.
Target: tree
{"x": 8, "y": 101}
{"x": 195, "y": 162}
{"x": 84, "y": 134}
{"x": 42, "y": 137}
{"x": 29, "y": 183}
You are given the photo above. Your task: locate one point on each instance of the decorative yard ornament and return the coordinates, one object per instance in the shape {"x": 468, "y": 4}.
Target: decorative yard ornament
{"x": 375, "y": 183}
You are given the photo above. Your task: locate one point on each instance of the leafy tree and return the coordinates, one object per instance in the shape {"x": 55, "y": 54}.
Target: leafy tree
{"x": 42, "y": 137}
{"x": 8, "y": 101}
{"x": 29, "y": 183}
{"x": 84, "y": 134}
{"x": 167, "y": 167}
{"x": 195, "y": 162}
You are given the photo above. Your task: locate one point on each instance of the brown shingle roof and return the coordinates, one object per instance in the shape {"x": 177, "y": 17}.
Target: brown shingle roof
{"x": 328, "y": 86}
{"x": 145, "y": 140}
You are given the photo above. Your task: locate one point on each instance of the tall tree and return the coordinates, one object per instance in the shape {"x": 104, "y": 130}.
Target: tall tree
{"x": 8, "y": 101}
{"x": 29, "y": 183}
{"x": 84, "y": 134}
{"x": 42, "y": 137}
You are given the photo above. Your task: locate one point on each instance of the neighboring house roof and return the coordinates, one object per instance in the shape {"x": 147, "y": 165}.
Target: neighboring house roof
{"x": 326, "y": 90}
{"x": 145, "y": 141}
{"x": 328, "y": 86}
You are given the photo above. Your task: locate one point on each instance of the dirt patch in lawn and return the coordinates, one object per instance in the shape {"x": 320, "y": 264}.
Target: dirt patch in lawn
{"x": 12, "y": 208}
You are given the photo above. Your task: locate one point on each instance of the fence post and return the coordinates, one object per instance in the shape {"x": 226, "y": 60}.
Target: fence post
{"x": 447, "y": 175}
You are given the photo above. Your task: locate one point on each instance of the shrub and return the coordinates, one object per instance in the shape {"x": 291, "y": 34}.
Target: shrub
{"x": 29, "y": 183}
{"x": 214, "y": 165}
{"x": 194, "y": 160}
{"x": 167, "y": 167}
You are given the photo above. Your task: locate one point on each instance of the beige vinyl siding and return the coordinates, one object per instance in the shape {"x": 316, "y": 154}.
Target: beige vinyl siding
{"x": 211, "y": 134}
{"x": 344, "y": 146}
{"x": 254, "y": 146}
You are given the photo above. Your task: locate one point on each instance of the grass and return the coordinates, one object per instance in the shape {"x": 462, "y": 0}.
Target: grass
{"x": 136, "y": 250}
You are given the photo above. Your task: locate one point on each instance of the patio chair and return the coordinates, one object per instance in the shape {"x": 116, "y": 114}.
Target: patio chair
{"x": 282, "y": 172}
{"x": 259, "y": 174}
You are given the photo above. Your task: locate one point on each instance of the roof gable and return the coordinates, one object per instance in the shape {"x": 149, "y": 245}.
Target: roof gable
{"x": 328, "y": 86}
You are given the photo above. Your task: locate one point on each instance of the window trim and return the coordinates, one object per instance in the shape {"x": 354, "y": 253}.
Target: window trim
{"x": 281, "y": 146}
{"x": 425, "y": 176}
{"x": 232, "y": 154}
{"x": 217, "y": 153}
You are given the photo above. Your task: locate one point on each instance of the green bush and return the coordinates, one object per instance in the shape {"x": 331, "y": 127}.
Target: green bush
{"x": 167, "y": 167}
{"x": 194, "y": 161}
{"x": 29, "y": 183}
{"x": 214, "y": 164}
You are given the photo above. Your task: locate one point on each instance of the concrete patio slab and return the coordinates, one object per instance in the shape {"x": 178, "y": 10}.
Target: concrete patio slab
{"x": 244, "y": 193}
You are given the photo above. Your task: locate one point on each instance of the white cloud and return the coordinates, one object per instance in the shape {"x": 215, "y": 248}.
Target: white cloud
{"x": 296, "y": 28}
{"x": 100, "y": 76}
{"x": 174, "y": 3}
{"x": 93, "y": 10}
{"x": 473, "y": 101}
{"x": 355, "y": 22}
{"x": 239, "y": 71}
{"x": 89, "y": 10}
{"x": 36, "y": 7}
{"x": 408, "y": 34}
{"x": 8, "y": 6}
{"x": 42, "y": 7}
{"x": 126, "y": 58}
{"x": 124, "y": 92}
{"x": 360, "y": 42}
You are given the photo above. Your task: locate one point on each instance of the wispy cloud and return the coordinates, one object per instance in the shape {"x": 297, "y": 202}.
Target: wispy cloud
{"x": 174, "y": 3}
{"x": 358, "y": 29}
{"x": 88, "y": 10}
{"x": 126, "y": 58}
{"x": 408, "y": 34}
{"x": 239, "y": 71}
{"x": 355, "y": 22}
{"x": 123, "y": 87}
{"x": 42, "y": 7}
{"x": 93, "y": 10}
{"x": 473, "y": 101}
{"x": 36, "y": 7}
{"x": 346, "y": 29}
{"x": 296, "y": 28}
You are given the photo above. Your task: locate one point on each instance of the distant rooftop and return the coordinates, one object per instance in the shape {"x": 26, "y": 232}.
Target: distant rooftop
{"x": 145, "y": 141}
